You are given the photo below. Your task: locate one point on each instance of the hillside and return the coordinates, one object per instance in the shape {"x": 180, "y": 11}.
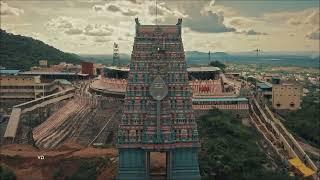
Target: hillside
{"x": 230, "y": 150}
{"x": 21, "y": 52}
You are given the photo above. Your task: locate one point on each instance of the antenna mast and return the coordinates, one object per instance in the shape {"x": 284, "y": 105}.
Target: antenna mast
{"x": 156, "y": 12}
{"x": 116, "y": 57}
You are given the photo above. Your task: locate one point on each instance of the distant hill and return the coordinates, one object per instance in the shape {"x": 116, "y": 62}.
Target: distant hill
{"x": 104, "y": 58}
{"x": 202, "y": 58}
{"x": 191, "y": 56}
{"x": 298, "y": 59}
{"x": 205, "y": 54}
{"x": 21, "y": 52}
{"x": 196, "y": 57}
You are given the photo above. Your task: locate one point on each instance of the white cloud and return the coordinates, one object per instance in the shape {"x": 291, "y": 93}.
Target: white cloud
{"x": 314, "y": 35}
{"x": 241, "y": 22}
{"x": 126, "y": 10}
{"x": 129, "y": 12}
{"x": 292, "y": 34}
{"x": 295, "y": 18}
{"x": 164, "y": 10}
{"x": 307, "y": 17}
{"x": 101, "y": 39}
{"x": 72, "y": 26}
{"x": 213, "y": 18}
{"x": 252, "y": 32}
{"x": 83, "y": 38}
{"x": 7, "y": 10}
{"x": 115, "y": 7}
{"x": 61, "y": 22}
{"x": 219, "y": 9}
{"x": 313, "y": 18}
{"x": 97, "y": 30}
{"x": 299, "y": 21}
{"x": 98, "y": 8}
{"x": 96, "y": 27}
{"x": 209, "y": 23}
{"x": 73, "y": 31}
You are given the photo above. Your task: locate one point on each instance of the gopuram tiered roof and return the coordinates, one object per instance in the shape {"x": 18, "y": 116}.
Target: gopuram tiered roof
{"x": 158, "y": 114}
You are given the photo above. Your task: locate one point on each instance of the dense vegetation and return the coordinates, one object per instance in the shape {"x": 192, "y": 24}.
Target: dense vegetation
{"x": 218, "y": 64}
{"x": 6, "y": 174}
{"x": 230, "y": 150}
{"x": 249, "y": 79}
{"x": 20, "y": 52}
{"x": 305, "y": 122}
{"x": 88, "y": 169}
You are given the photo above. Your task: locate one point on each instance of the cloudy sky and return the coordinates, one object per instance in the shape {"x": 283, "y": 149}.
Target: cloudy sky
{"x": 91, "y": 26}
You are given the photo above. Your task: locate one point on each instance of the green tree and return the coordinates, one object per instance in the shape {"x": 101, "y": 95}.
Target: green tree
{"x": 20, "y": 52}
{"x": 305, "y": 121}
{"x": 6, "y": 174}
{"x": 230, "y": 150}
{"x": 218, "y": 64}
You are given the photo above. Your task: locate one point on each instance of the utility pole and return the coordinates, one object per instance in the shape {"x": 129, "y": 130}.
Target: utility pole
{"x": 257, "y": 51}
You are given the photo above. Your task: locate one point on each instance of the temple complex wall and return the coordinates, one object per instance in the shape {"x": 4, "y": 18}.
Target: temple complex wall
{"x": 201, "y": 88}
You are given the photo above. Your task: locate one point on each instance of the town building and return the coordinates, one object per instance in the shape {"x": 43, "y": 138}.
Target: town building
{"x": 286, "y": 96}
{"x": 87, "y": 68}
{"x": 19, "y": 89}
{"x": 43, "y": 63}
{"x": 264, "y": 90}
{"x": 207, "y": 83}
{"x": 223, "y": 103}
{"x": 271, "y": 78}
{"x": 5, "y": 72}
{"x": 204, "y": 73}
{"x": 48, "y": 76}
{"x": 233, "y": 75}
{"x": 204, "y": 81}
{"x": 61, "y": 67}
{"x": 98, "y": 69}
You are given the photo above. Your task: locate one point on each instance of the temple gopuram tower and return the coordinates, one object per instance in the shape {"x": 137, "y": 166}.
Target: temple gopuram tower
{"x": 158, "y": 114}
